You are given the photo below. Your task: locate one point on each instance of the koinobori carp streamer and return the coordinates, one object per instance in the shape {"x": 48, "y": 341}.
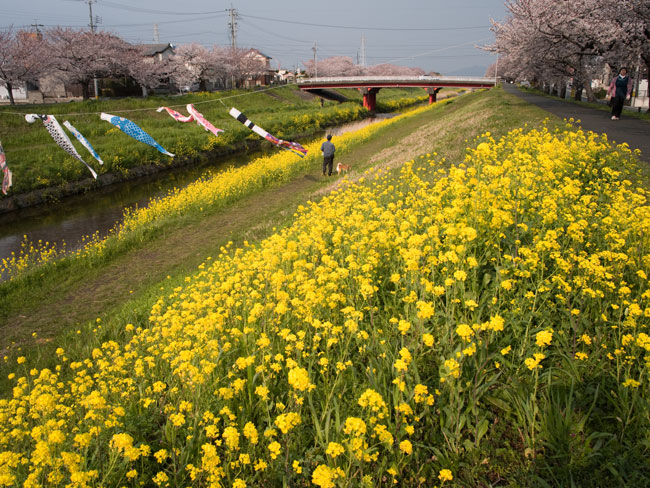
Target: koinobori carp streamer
{"x": 290, "y": 146}
{"x": 194, "y": 115}
{"x": 60, "y": 137}
{"x": 133, "y": 130}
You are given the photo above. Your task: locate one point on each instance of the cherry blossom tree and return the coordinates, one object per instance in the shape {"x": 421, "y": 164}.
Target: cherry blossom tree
{"x": 333, "y": 66}
{"x": 24, "y": 56}
{"x": 392, "y": 70}
{"x": 551, "y": 39}
{"x": 147, "y": 71}
{"x": 631, "y": 47}
{"x": 244, "y": 63}
{"x": 192, "y": 63}
{"x": 344, "y": 66}
{"x": 80, "y": 55}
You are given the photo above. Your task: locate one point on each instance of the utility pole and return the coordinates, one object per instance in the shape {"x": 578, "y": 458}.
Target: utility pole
{"x": 363, "y": 51}
{"x": 156, "y": 37}
{"x": 315, "y": 49}
{"x": 232, "y": 25}
{"x": 90, "y": 8}
{"x": 93, "y": 25}
{"x": 37, "y": 27}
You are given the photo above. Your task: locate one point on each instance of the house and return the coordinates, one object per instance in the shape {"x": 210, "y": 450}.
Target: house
{"x": 285, "y": 76}
{"x": 157, "y": 52}
{"x": 258, "y": 67}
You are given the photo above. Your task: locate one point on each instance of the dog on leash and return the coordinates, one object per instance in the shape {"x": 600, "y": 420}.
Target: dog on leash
{"x": 341, "y": 168}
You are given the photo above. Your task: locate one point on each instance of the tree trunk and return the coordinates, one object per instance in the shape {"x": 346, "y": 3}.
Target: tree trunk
{"x": 590, "y": 91}
{"x": 144, "y": 92}
{"x": 85, "y": 91}
{"x": 11, "y": 93}
{"x": 647, "y": 92}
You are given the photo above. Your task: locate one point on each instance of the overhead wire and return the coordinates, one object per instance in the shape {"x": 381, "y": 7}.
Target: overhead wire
{"x": 331, "y": 26}
{"x": 153, "y": 11}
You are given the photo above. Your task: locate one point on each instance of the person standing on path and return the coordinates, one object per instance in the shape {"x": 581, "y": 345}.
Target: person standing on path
{"x": 620, "y": 89}
{"x": 328, "y": 155}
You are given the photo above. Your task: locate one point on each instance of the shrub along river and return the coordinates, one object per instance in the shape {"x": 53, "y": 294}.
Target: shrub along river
{"x": 75, "y": 217}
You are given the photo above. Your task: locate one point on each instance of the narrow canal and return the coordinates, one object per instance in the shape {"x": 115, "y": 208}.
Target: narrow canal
{"x": 70, "y": 220}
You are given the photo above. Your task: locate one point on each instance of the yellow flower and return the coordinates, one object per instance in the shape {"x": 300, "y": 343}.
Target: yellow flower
{"x": 544, "y": 337}
{"x": 334, "y": 449}
{"x": 161, "y": 478}
{"x": 274, "y": 449}
{"x": 404, "y": 326}
{"x": 630, "y": 383}
{"x": 287, "y": 421}
{"x": 299, "y": 379}
{"x": 460, "y": 275}
{"x": 161, "y": 455}
{"x": 427, "y": 339}
{"x": 323, "y": 476}
{"x": 231, "y": 436}
{"x": 465, "y": 332}
{"x": 445, "y": 475}
{"x": 533, "y": 363}
{"x": 406, "y": 447}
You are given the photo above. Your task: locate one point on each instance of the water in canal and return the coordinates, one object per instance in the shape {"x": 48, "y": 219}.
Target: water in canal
{"x": 73, "y": 218}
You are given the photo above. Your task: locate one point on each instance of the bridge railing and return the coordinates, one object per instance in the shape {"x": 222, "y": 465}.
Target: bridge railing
{"x": 395, "y": 79}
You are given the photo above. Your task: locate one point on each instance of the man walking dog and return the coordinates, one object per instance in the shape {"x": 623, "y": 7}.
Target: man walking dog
{"x": 328, "y": 155}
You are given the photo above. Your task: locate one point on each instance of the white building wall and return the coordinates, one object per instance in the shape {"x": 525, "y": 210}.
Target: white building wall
{"x": 19, "y": 93}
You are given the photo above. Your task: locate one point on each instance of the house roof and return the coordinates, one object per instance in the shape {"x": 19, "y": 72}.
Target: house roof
{"x": 257, "y": 51}
{"x": 152, "y": 49}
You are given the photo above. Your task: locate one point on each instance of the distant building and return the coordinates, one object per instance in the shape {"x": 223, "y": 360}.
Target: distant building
{"x": 258, "y": 66}
{"x": 157, "y": 52}
{"x": 285, "y": 76}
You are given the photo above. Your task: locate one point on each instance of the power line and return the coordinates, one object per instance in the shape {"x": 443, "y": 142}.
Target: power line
{"x": 153, "y": 11}
{"x": 246, "y": 22}
{"x": 366, "y": 27}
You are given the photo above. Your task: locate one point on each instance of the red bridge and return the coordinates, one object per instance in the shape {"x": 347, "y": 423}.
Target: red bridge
{"x": 370, "y": 85}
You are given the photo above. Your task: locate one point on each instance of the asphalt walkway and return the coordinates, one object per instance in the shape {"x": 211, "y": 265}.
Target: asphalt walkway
{"x": 634, "y": 131}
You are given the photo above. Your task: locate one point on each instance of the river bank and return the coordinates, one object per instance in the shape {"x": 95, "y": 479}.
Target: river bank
{"x": 38, "y": 164}
{"x": 67, "y": 299}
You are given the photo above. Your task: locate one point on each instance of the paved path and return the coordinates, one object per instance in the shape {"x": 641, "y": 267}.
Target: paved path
{"x": 635, "y": 132}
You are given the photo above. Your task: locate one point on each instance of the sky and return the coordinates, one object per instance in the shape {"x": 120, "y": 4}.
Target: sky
{"x": 435, "y": 35}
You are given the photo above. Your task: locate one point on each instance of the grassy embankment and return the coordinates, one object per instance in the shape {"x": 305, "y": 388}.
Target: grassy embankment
{"x": 37, "y": 162}
{"x": 44, "y": 309}
{"x": 479, "y": 323}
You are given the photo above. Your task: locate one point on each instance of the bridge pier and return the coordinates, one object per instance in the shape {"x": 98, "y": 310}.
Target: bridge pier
{"x": 369, "y": 97}
{"x": 433, "y": 92}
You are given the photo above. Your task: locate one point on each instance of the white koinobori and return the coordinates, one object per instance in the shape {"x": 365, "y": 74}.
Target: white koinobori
{"x": 294, "y": 147}
{"x": 60, "y": 137}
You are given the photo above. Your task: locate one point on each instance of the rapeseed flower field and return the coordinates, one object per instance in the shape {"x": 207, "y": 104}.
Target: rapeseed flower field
{"x": 392, "y": 335}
